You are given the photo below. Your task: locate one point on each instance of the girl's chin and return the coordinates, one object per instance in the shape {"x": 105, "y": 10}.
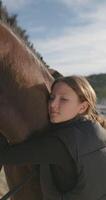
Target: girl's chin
{"x": 52, "y": 120}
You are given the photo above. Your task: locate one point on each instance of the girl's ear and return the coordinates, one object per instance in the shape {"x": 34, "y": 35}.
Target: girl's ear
{"x": 83, "y": 107}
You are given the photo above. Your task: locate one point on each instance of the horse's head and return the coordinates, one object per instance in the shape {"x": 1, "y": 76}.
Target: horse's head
{"x": 24, "y": 87}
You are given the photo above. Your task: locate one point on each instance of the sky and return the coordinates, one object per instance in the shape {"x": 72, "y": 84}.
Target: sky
{"x": 69, "y": 34}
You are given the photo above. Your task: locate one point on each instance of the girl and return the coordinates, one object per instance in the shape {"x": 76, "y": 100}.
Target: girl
{"x": 72, "y": 153}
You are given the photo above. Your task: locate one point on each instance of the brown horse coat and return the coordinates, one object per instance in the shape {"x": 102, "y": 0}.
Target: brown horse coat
{"x": 24, "y": 87}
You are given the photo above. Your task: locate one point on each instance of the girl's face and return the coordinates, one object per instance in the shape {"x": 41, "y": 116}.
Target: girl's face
{"x": 64, "y": 103}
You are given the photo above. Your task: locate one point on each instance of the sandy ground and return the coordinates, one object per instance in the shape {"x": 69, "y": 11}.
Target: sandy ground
{"x": 3, "y": 184}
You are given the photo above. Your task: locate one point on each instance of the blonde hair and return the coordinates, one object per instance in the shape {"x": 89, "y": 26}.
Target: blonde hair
{"x": 85, "y": 92}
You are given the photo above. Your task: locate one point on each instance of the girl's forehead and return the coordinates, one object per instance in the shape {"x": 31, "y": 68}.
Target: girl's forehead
{"x": 62, "y": 88}
{"x": 60, "y": 85}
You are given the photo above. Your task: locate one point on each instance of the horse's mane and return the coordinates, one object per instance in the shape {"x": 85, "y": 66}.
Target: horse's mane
{"x": 17, "y": 31}
{"x": 15, "y": 34}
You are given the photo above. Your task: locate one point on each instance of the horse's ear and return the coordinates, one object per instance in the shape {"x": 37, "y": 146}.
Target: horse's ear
{"x": 4, "y": 49}
{"x": 55, "y": 73}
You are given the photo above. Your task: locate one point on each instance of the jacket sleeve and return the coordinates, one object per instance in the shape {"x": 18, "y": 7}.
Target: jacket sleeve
{"x": 42, "y": 150}
{"x": 36, "y": 150}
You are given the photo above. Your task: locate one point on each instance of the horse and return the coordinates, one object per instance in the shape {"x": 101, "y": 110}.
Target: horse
{"x": 24, "y": 88}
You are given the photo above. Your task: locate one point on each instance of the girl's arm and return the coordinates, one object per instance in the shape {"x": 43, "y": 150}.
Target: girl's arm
{"x": 36, "y": 150}
{"x": 44, "y": 149}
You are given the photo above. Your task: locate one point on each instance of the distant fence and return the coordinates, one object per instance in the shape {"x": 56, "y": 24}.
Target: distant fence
{"x": 101, "y": 109}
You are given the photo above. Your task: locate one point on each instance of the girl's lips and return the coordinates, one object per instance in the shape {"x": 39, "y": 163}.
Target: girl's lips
{"x": 53, "y": 114}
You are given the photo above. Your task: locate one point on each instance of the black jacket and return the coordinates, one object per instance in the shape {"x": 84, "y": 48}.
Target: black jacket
{"x": 72, "y": 159}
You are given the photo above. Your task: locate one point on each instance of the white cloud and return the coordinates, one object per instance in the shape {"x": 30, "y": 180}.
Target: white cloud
{"x": 75, "y": 2}
{"x": 76, "y": 5}
{"x": 78, "y": 49}
{"x": 96, "y": 16}
{"x": 15, "y": 5}
{"x": 84, "y": 52}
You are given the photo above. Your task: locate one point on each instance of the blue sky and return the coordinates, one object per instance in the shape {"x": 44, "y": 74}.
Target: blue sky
{"x": 69, "y": 34}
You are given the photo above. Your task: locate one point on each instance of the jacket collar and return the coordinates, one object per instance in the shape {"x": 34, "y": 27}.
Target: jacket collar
{"x": 67, "y": 123}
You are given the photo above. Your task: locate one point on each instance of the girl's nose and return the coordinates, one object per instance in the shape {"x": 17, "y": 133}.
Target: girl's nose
{"x": 54, "y": 103}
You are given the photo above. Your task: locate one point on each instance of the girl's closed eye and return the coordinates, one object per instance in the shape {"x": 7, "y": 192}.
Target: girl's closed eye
{"x": 64, "y": 99}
